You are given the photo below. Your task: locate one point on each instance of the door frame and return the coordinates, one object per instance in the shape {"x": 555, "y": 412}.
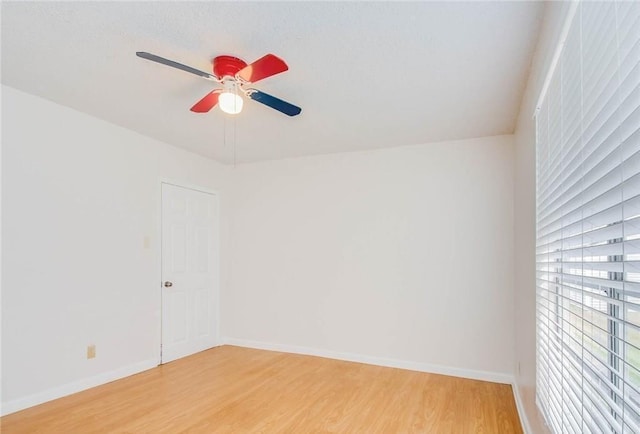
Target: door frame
{"x": 215, "y": 255}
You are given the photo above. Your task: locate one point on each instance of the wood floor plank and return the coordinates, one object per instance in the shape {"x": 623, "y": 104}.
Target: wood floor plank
{"x": 239, "y": 390}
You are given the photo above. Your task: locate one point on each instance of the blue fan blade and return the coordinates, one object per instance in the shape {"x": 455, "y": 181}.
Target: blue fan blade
{"x": 273, "y": 102}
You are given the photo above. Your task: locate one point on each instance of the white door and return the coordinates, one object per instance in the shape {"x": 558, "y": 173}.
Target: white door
{"x": 189, "y": 267}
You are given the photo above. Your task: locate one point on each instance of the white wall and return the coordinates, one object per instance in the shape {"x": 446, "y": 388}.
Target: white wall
{"x": 525, "y": 222}
{"x": 401, "y": 255}
{"x": 79, "y": 196}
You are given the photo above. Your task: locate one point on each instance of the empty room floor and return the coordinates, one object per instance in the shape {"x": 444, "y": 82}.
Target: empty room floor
{"x": 238, "y": 390}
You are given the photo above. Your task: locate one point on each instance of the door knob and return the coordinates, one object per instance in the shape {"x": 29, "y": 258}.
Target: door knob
{"x": 168, "y": 284}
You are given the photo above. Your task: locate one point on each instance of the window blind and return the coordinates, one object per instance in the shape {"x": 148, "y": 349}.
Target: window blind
{"x": 588, "y": 226}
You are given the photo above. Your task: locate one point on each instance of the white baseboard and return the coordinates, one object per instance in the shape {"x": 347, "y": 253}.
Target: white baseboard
{"x": 76, "y": 386}
{"x": 494, "y": 377}
{"x": 524, "y": 420}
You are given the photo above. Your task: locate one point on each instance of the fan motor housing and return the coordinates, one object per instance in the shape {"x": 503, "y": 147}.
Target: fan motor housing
{"x": 227, "y": 66}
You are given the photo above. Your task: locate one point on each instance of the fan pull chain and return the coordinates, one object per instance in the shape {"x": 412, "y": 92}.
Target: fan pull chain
{"x": 224, "y": 132}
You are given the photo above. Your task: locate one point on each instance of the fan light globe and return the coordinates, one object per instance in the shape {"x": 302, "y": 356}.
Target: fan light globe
{"x": 230, "y": 103}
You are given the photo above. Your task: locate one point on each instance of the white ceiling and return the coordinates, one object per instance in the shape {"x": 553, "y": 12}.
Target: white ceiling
{"x": 367, "y": 75}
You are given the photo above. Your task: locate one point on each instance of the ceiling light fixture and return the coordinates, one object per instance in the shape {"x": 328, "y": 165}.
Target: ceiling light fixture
{"x": 229, "y": 100}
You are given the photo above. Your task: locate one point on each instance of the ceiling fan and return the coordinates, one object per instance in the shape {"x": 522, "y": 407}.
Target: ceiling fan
{"x": 234, "y": 75}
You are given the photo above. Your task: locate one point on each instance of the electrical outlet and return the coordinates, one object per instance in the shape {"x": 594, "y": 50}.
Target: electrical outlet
{"x": 91, "y": 352}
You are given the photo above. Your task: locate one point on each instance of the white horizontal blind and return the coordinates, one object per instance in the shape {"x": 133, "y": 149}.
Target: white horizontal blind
{"x": 588, "y": 226}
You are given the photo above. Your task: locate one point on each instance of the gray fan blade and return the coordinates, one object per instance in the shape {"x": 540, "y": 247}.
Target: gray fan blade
{"x": 173, "y": 64}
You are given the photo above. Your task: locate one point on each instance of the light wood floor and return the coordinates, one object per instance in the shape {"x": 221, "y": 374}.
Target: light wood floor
{"x": 238, "y": 390}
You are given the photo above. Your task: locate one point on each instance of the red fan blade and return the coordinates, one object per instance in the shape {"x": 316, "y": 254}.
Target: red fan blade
{"x": 207, "y": 103}
{"x": 262, "y": 68}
